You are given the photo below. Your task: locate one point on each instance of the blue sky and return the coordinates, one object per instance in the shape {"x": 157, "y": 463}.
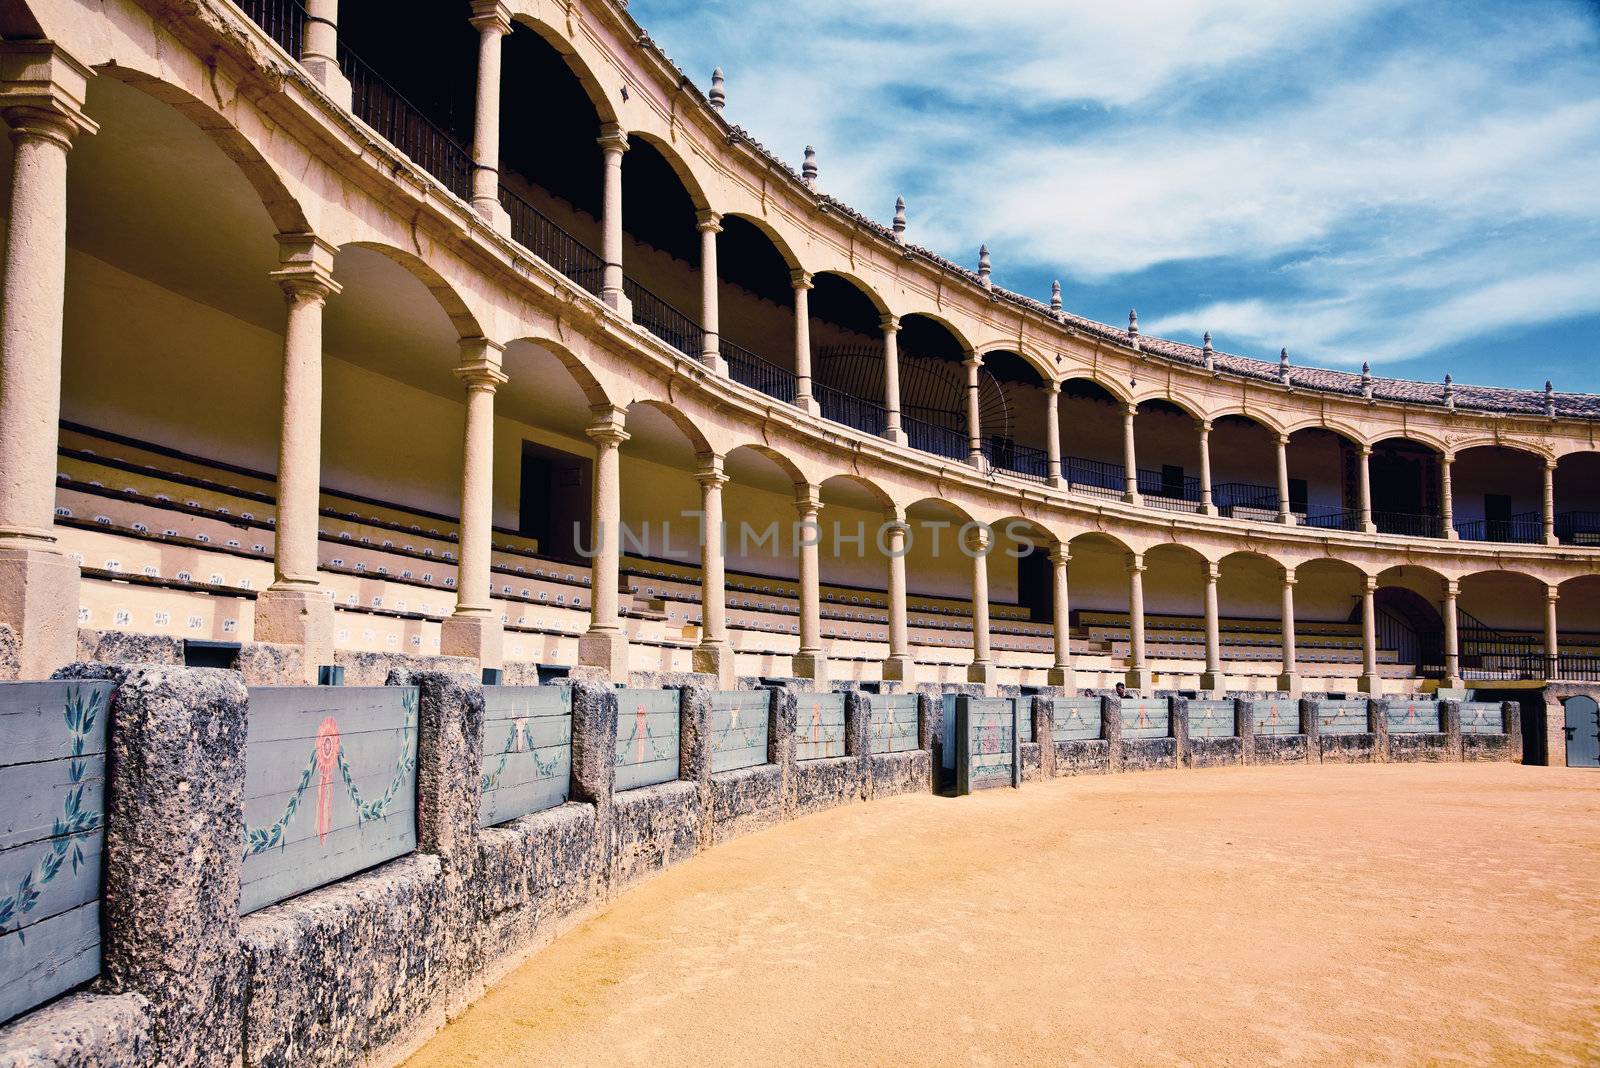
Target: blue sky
{"x": 1413, "y": 183}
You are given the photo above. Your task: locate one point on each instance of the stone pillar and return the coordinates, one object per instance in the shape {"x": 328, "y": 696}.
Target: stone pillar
{"x": 1138, "y": 677}
{"x": 891, "y": 379}
{"x": 801, "y": 280}
{"x": 976, "y": 541}
{"x": 1364, "y": 475}
{"x": 1447, "y": 507}
{"x": 1369, "y": 682}
{"x": 613, "y": 143}
{"x": 900, "y": 667}
{"x": 296, "y": 610}
{"x": 319, "y": 50}
{"x": 474, "y": 630}
{"x": 1552, "y": 639}
{"x": 973, "y": 363}
{"x": 1061, "y": 673}
{"x": 1052, "y": 432}
{"x": 1213, "y": 678}
{"x": 1285, "y": 515}
{"x": 604, "y": 648}
{"x": 1207, "y": 505}
{"x": 1549, "y": 510}
{"x": 1289, "y": 681}
{"x": 1452, "y": 640}
{"x": 713, "y": 655}
{"x": 811, "y": 662}
{"x": 41, "y": 96}
{"x": 492, "y": 21}
{"x": 1130, "y": 456}
{"x": 709, "y": 224}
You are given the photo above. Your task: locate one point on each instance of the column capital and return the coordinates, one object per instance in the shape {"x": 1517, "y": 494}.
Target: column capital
{"x": 1283, "y": 440}
{"x": 1551, "y": 463}
{"x": 1205, "y": 426}
{"x": 889, "y": 324}
{"x": 1552, "y": 594}
{"x": 1289, "y": 577}
{"x": 1130, "y": 410}
{"x": 895, "y": 515}
{"x": 973, "y": 360}
{"x": 1135, "y": 564}
{"x": 606, "y": 429}
{"x": 710, "y": 472}
{"x": 1366, "y": 450}
{"x": 1213, "y": 571}
{"x": 490, "y": 16}
{"x": 1060, "y": 554}
{"x": 307, "y": 266}
{"x": 807, "y": 499}
{"x": 613, "y": 138}
{"x": 42, "y": 90}
{"x": 1369, "y": 583}
{"x": 1052, "y": 387}
{"x": 1452, "y": 588}
{"x": 800, "y": 278}
{"x": 708, "y": 221}
{"x": 480, "y": 364}
{"x": 977, "y": 538}
{"x": 1447, "y": 457}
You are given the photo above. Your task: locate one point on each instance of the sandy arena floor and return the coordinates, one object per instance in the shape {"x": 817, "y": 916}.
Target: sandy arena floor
{"x": 1398, "y": 914}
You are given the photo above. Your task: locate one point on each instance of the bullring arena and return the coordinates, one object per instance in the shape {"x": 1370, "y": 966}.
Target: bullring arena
{"x": 1050, "y": 691}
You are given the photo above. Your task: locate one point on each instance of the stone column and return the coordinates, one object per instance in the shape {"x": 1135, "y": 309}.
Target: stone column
{"x": 1552, "y": 639}
{"x": 1549, "y": 509}
{"x": 492, "y": 21}
{"x": 41, "y": 96}
{"x": 713, "y": 655}
{"x": 811, "y": 662}
{"x": 1138, "y": 677}
{"x": 1452, "y": 640}
{"x": 1285, "y": 515}
{"x": 900, "y": 667}
{"x": 801, "y": 280}
{"x": 973, "y": 363}
{"x": 1447, "y": 508}
{"x": 1369, "y": 682}
{"x": 613, "y": 143}
{"x": 1207, "y": 505}
{"x": 604, "y": 648}
{"x": 1061, "y": 673}
{"x": 1052, "y": 432}
{"x": 891, "y": 379}
{"x": 296, "y": 610}
{"x": 976, "y": 541}
{"x": 1289, "y": 681}
{"x": 709, "y": 224}
{"x": 319, "y": 50}
{"x": 474, "y": 630}
{"x": 1130, "y": 456}
{"x": 1364, "y": 474}
{"x": 1213, "y": 678}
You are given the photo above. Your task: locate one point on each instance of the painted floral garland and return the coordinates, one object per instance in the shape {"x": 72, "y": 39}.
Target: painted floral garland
{"x": 520, "y": 739}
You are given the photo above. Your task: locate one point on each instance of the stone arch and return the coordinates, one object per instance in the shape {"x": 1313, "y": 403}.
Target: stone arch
{"x": 594, "y": 392}
{"x": 1106, "y": 384}
{"x": 463, "y": 318}
{"x": 779, "y": 243}
{"x": 582, "y": 69}
{"x": 679, "y": 419}
{"x": 879, "y": 496}
{"x": 1035, "y": 360}
{"x": 692, "y": 185}
{"x": 783, "y": 462}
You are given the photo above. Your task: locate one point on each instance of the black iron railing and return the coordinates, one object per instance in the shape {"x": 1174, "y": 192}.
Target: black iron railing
{"x": 1525, "y": 527}
{"x": 931, "y": 438}
{"x": 841, "y": 407}
{"x": 398, "y": 121}
{"x": 663, "y": 320}
{"x": 1578, "y": 528}
{"x": 751, "y": 370}
{"x": 1080, "y": 473}
{"x": 1229, "y": 495}
{"x": 1409, "y": 525}
{"x": 1175, "y": 487}
{"x": 1335, "y": 521}
{"x": 534, "y": 231}
{"x": 284, "y": 21}
{"x": 1024, "y": 461}
{"x": 1578, "y": 667}
{"x": 1487, "y": 653}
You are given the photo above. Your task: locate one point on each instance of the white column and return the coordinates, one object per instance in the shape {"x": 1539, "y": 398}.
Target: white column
{"x": 1207, "y": 506}
{"x": 1285, "y": 515}
{"x": 604, "y": 648}
{"x": 613, "y": 143}
{"x": 900, "y": 666}
{"x": 319, "y": 49}
{"x": 1369, "y": 682}
{"x": 1138, "y": 677}
{"x": 1289, "y": 681}
{"x": 475, "y": 629}
{"x": 1552, "y": 639}
{"x": 710, "y": 225}
{"x": 1364, "y": 474}
{"x": 801, "y": 281}
{"x": 1130, "y": 456}
{"x": 977, "y": 541}
{"x": 1447, "y": 508}
{"x": 1061, "y": 673}
{"x": 1452, "y": 640}
{"x": 1052, "y": 432}
{"x": 1213, "y": 678}
{"x": 811, "y": 661}
{"x": 973, "y": 363}
{"x": 296, "y": 610}
{"x": 492, "y": 21}
{"x": 1549, "y": 510}
{"x": 713, "y": 654}
{"x": 41, "y": 97}
{"x": 891, "y": 379}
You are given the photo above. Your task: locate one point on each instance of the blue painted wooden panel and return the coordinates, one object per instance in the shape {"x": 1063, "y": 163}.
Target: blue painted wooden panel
{"x": 1342, "y": 717}
{"x": 1211, "y": 719}
{"x": 1413, "y": 717}
{"x": 527, "y": 751}
{"x": 988, "y": 742}
{"x": 1482, "y": 717}
{"x": 1024, "y": 709}
{"x": 947, "y": 755}
{"x": 1146, "y": 717}
{"x": 647, "y": 738}
{"x": 819, "y": 730}
{"x": 739, "y": 729}
{"x": 894, "y": 722}
{"x": 330, "y": 785}
{"x": 1077, "y": 719}
{"x": 1280, "y": 716}
{"x": 52, "y": 829}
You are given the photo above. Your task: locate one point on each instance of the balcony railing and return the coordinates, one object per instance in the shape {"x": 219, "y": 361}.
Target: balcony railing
{"x": 398, "y": 121}
{"x": 930, "y": 438}
{"x": 1024, "y": 461}
{"x": 1578, "y": 667}
{"x": 1526, "y": 527}
{"x": 284, "y": 21}
{"x": 1095, "y": 476}
{"x": 534, "y": 231}
{"x": 1334, "y": 521}
{"x": 746, "y": 368}
{"x": 1180, "y": 489}
{"x": 664, "y": 321}
{"x": 841, "y": 407}
{"x": 1578, "y": 528}
{"x": 1409, "y": 525}
{"x": 1249, "y": 495}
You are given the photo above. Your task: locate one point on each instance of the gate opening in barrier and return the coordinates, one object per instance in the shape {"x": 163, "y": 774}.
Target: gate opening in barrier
{"x": 988, "y": 741}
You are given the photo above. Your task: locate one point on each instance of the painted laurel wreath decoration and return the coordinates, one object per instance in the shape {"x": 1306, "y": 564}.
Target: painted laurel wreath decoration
{"x": 518, "y": 740}
{"x": 84, "y": 708}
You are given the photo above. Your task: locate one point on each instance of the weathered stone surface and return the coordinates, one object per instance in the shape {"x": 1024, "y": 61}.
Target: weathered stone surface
{"x": 173, "y": 851}
{"x": 594, "y": 744}
{"x": 122, "y": 647}
{"x": 351, "y": 973}
{"x": 1419, "y": 748}
{"x": 827, "y": 783}
{"x": 1214, "y": 752}
{"x": 1279, "y": 749}
{"x": 372, "y": 669}
{"x": 535, "y": 875}
{"x": 269, "y": 664}
{"x": 901, "y": 773}
{"x": 1347, "y": 748}
{"x": 745, "y": 800}
{"x": 782, "y": 722}
{"x": 1087, "y": 757}
{"x": 82, "y": 1031}
{"x": 1111, "y": 730}
{"x": 1042, "y": 712}
{"x": 1148, "y": 754}
{"x": 655, "y": 828}
{"x": 694, "y": 751}
{"x": 1488, "y": 747}
{"x": 10, "y": 654}
{"x": 1032, "y": 761}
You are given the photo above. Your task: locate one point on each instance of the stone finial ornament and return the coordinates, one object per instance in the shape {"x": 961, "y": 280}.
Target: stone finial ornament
{"x": 1055, "y": 297}
{"x": 1133, "y": 322}
{"x": 808, "y": 169}
{"x": 1366, "y": 379}
{"x": 984, "y": 267}
{"x": 718, "y": 96}
{"x": 1549, "y": 399}
{"x": 1210, "y": 353}
{"x": 1449, "y": 392}
{"x": 1283, "y": 365}
{"x": 899, "y": 218}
